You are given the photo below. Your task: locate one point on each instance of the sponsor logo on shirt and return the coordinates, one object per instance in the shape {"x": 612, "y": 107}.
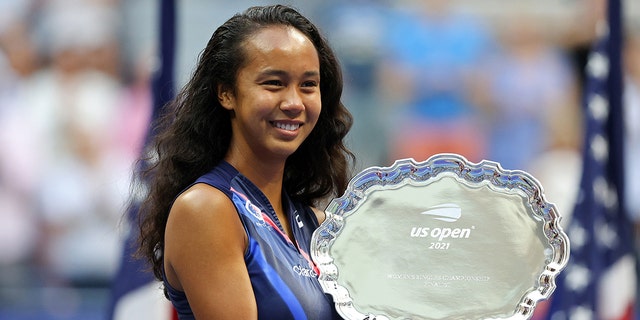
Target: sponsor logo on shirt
{"x": 300, "y": 224}
{"x": 305, "y": 271}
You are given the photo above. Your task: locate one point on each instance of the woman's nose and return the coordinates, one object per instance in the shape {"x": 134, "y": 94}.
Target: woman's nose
{"x": 292, "y": 102}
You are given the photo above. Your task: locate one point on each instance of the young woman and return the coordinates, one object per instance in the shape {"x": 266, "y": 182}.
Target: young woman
{"x": 243, "y": 153}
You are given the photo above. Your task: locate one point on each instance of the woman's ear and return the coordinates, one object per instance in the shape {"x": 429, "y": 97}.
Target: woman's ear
{"x": 225, "y": 96}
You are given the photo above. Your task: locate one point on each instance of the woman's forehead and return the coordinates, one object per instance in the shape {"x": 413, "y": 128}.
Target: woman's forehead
{"x": 277, "y": 37}
{"x": 280, "y": 47}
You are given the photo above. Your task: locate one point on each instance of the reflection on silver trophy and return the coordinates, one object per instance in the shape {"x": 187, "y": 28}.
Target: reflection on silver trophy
{"x": 440, "y": 239}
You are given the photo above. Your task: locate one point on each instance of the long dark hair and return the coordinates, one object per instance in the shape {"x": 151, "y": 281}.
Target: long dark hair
{"x": 194, "y": 132}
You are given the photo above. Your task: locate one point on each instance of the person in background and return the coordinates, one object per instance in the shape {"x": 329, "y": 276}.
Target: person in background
{"x": 241, "y": 156}
{"x": 531, "y": 96}
{"x": 429, "y": 78}
{"x": 19, "y": 60}
{"x": 74, "y": 103}
{"x": 366, "y": 21}
{"x": 632, "y": 127}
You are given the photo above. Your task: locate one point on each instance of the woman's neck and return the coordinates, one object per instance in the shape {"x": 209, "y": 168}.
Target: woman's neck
{"x": 267, "y": 176}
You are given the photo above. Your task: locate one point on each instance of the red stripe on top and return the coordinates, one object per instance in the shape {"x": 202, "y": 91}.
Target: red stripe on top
{"x": 266, "y": 218}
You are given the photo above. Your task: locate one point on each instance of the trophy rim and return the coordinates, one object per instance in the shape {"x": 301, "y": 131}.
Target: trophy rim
{"x": 409, "y": 171}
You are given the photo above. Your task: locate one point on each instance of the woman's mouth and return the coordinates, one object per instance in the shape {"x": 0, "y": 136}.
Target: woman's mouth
{"x": 286, "y": 126}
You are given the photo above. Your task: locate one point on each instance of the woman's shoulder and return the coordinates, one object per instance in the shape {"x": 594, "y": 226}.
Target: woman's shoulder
{"x": 201, "y": 199}
{"x": 199, "y": 215}
{"x": 203, "y": 229}
{"x": 203, "y": 208}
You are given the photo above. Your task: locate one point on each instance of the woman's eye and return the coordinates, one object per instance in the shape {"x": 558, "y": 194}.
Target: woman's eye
{"x": 310, "y": 84}
{"x": 277, "y": 83}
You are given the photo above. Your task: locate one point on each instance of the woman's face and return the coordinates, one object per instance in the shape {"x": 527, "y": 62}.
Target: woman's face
{"x": 277, "y": 96}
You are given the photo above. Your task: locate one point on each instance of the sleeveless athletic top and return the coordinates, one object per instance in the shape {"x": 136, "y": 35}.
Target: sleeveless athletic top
{"x": 283, "y": 276}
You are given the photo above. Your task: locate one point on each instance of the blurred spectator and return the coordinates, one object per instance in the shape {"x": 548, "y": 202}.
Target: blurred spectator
{"x": 365, "y": 21}
{"x": 429, "y": 77}
{"x": 76, "y": 107}
{"x": 632, "y": 117}
{"x": 18, "y": 229}
{"x": 532, "y": 100}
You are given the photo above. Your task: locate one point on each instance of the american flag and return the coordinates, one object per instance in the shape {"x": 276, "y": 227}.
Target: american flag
{"x": 135, "y": 293}
{"x": 599, "y": 281}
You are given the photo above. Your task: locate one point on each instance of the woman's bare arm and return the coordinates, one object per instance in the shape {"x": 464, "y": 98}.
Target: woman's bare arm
{"x": 204, "y": 255}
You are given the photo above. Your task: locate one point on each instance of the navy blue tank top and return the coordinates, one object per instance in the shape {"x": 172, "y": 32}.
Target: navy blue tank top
{"x": 283, "y": 276}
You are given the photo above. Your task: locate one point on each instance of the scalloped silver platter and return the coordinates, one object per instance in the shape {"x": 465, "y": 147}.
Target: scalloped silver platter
{"x": 440, "y": 239}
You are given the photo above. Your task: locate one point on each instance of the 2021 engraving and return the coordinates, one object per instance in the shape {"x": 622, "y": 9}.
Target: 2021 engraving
{"x": 439, "y": 245}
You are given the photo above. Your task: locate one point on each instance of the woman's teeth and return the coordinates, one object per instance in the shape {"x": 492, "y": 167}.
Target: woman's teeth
{"x": 287, "y": 126}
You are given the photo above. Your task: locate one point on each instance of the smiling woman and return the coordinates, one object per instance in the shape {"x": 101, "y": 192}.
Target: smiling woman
{"x": 243, "y": 153}
{"x": 276, "y": 102}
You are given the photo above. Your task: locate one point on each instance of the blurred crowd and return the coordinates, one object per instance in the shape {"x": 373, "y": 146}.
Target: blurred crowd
{"x": 72, "y": 120}
{"x": 422, "y": 77}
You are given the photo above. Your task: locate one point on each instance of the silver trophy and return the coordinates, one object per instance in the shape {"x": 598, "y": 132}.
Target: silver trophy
{"x": 440, "y": 239}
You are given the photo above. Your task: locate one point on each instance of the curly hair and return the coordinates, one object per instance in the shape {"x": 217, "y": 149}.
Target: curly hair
{"x": 194, "y": 131}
